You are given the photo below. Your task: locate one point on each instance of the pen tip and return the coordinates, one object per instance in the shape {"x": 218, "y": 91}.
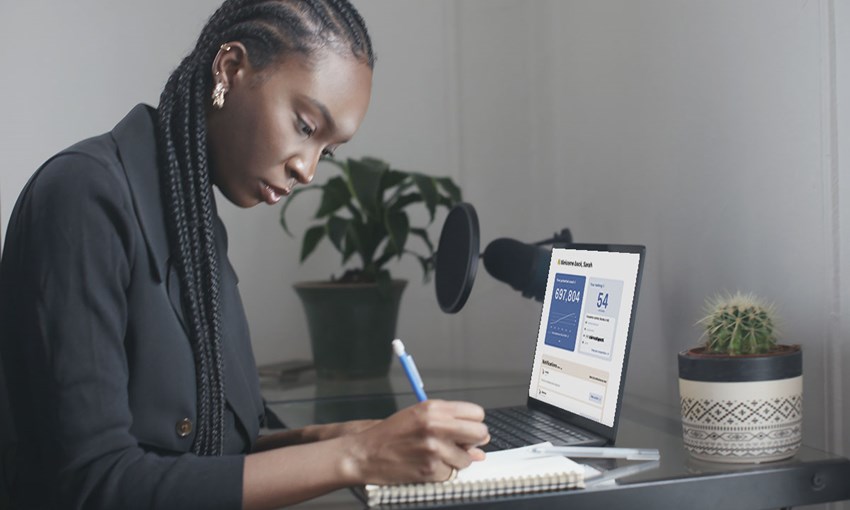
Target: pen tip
{"x": 398, "y": 347}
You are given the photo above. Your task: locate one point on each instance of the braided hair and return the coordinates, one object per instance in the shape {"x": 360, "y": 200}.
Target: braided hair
{"x": 270, "y": 30}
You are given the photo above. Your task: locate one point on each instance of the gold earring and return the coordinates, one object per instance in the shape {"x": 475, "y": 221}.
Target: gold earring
{"x": 218, "y": 95}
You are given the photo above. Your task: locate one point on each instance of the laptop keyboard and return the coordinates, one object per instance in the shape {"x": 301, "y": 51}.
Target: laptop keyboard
{"x": 511, "y": 427}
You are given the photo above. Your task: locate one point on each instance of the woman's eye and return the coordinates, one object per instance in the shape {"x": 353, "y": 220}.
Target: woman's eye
{"x": 327, "y": 153}
{"x": 306, "y": 129}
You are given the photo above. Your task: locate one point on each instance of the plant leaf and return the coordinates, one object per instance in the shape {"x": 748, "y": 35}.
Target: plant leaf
{"x": 350, "y": 245}
{"x": 365, "y": 240}
{"x": 362, "y": 211}
{"x": 336, "y": 162}
{"x": 428, "y": 188}
{"x": 451, "y": 188}
{"x": 427, "y": 265}
{"x": 389, "y": 253}
{"x": 375, "y": 162}
{"x": 446, "y": 201}
{"x": 393, "y": 178}
{"x": 423, "y": 234}
{"x": 311, "y": 238}
{"x": 398, "y": 227}
{"x": 365, "y": 181}
{"x": 288, "y": 201}
{"x": 405, "y": 200}
{"x": 336, "y": 229}
{"x": 336, "y": 195}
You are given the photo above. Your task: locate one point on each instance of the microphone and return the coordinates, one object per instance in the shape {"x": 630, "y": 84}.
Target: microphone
{"x": 523, "y": 266}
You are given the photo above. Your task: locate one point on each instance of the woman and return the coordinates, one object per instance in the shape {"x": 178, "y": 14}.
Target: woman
{"x": 126, "y": 350}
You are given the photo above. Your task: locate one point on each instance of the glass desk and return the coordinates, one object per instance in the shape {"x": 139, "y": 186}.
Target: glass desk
{"x": 679, "y": 481}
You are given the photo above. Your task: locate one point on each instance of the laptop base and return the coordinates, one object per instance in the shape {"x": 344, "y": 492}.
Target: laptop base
{"x": 512, "y": 427}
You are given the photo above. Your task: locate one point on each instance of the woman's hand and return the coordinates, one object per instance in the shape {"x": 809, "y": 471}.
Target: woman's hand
{"x": 424, "y": 442}
{"x": 421, "y": 443}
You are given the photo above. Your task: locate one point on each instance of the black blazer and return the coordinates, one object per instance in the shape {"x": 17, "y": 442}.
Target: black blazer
{"x": 99, "y": 368}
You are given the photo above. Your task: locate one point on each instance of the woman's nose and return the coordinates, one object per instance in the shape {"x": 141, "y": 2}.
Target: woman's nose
{"x": 302, "y": 168}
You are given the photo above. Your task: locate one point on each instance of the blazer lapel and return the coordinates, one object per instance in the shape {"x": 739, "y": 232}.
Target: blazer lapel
{"x": 135, "y": 136}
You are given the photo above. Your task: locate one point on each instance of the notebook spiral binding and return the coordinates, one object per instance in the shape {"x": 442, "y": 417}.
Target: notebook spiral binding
{"x": 471, "y": 489}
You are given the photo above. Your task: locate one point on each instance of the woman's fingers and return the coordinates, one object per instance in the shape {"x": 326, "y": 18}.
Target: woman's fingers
{"x": 459, "y": 409}
{"x": 453, "y": 430}
{"x": 460, "y": 422}
{"x": 457, "y": 458}
{"x": 421, "y": 443}
{"x": 477, "y": 454}
{"x": 461, "y": 432}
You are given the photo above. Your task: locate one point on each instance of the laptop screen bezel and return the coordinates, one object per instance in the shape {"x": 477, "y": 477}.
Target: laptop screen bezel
{"x": 600, "y": 429}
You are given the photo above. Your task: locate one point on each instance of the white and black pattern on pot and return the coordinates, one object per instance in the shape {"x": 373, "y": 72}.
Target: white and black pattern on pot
{"x": 742, "y": 421}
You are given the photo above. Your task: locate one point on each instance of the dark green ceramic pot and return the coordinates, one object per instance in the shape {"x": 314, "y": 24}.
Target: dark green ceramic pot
{"x": 352, "y": 327}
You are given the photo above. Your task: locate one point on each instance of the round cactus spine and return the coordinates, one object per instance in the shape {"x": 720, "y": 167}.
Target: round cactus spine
{"x": 739, "y": 324}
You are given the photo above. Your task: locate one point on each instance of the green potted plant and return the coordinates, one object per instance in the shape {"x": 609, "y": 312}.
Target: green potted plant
{"x": 741, "y": 392}
{"x": 363, "y": 213}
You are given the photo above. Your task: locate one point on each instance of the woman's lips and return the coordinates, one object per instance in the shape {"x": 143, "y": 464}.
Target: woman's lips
{"x": 271, "y": 194}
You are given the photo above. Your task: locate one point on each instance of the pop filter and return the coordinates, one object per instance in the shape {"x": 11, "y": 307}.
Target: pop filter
{"x": 525, "y": 267}
{"x": 457, "y": 258}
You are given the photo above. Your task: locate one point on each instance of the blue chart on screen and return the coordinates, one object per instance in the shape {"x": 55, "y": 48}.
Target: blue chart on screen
{"x": 565, "y": 311}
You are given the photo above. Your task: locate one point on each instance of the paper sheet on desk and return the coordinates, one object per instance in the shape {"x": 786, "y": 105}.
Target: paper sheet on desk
{"x": 592, "y": 477}
{"x": 522, "y": 460}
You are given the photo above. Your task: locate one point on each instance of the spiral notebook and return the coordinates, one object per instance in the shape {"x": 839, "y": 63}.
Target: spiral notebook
{"x": 502, "y": 473}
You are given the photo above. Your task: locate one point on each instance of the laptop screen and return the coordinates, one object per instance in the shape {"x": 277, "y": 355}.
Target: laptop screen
{"x": 584, "y": 333}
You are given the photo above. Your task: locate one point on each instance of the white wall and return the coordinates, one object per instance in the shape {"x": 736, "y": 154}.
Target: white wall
{"x": 716, "y": 133}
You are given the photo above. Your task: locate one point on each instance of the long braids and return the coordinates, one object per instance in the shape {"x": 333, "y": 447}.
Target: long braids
{"x": 270, "y": 30}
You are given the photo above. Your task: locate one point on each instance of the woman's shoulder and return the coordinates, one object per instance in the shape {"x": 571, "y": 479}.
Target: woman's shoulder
{"x": 81, "y": 172}
{"x": 93, "y": 155}
{"x": 94, "y": 163}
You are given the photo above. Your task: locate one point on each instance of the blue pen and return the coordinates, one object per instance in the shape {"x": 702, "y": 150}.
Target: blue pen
{"x": 410, "y": 369}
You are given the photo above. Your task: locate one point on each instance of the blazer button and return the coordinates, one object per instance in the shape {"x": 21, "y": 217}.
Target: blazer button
{"x": 184, "y": 427}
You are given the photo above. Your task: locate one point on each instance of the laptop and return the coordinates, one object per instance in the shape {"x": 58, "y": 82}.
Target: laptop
{"x": 576, "y": 389}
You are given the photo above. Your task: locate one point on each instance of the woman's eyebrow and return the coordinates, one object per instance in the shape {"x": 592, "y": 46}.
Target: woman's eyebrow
{"x": 329, "y": 120}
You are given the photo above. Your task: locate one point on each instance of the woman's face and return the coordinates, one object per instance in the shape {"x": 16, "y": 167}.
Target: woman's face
{"x": 276, "y": 124}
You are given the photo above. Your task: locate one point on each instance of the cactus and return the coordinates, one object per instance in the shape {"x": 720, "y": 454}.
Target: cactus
{"x": 739, "y": 324}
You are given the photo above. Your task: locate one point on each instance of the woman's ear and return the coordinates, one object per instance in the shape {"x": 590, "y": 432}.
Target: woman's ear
{"x": 232, "y": 57}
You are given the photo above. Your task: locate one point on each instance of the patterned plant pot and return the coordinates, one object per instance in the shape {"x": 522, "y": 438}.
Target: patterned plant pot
{"x": 742, "y": 408}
